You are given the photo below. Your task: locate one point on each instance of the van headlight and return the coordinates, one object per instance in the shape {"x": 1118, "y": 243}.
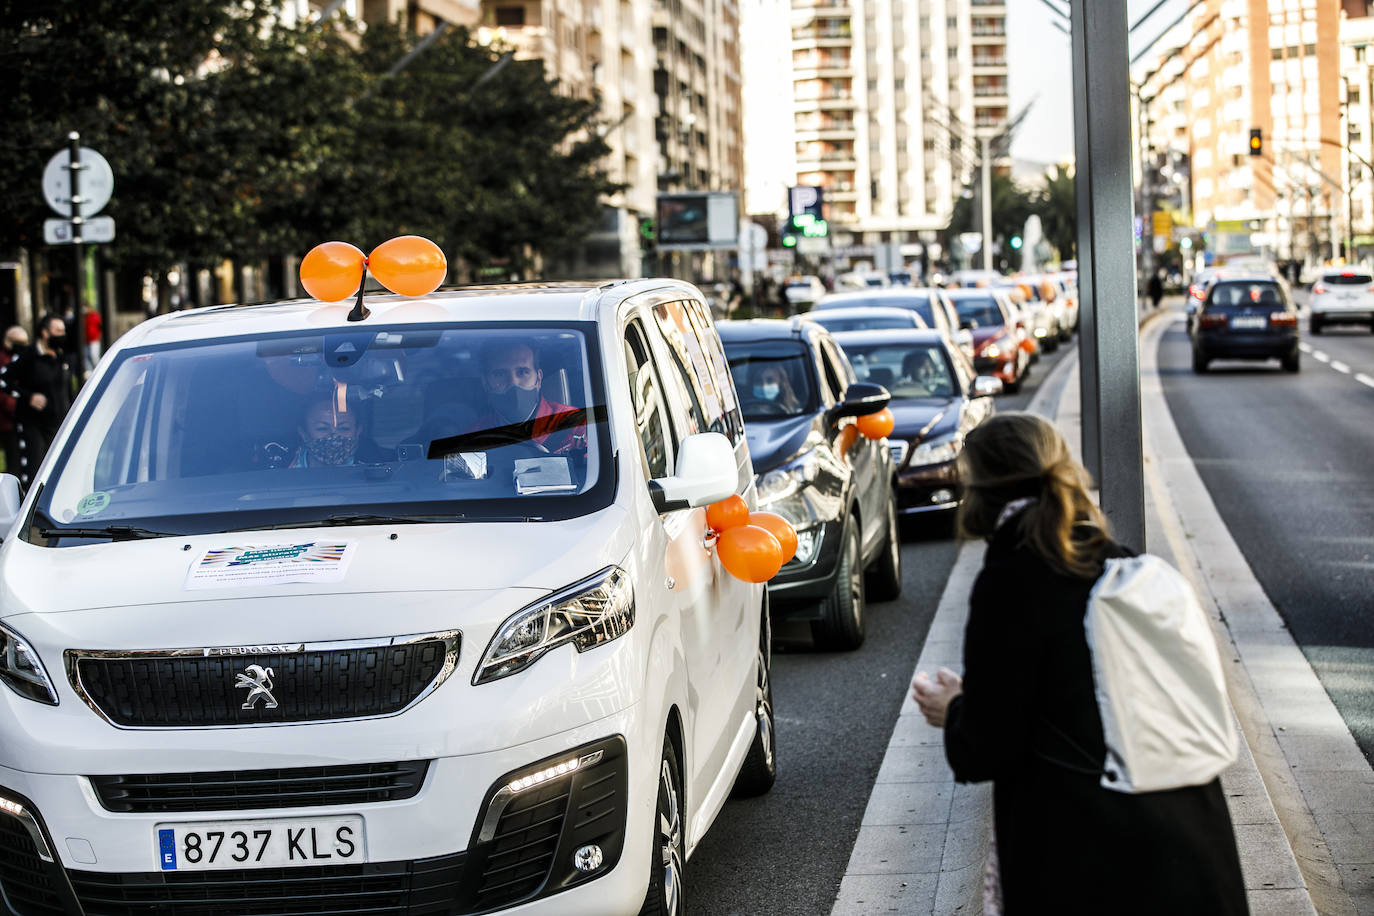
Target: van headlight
{"x": 936, "y": 451}
{"x": 594, "y": 611}
{"x": 21, "y": 669}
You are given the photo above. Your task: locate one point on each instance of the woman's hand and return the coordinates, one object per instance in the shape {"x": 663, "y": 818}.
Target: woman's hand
{"x": 934, "y": 696}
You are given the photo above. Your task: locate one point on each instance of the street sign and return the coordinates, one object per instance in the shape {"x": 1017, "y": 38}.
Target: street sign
{"x": 96, "y": 182}
{"x": 972, "y": 241}
{"x": 61, "y": 231}
{"x": 812, "y": 245}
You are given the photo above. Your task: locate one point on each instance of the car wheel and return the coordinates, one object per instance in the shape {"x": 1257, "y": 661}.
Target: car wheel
{"x": 1291, "y": 361}
{"x": 842, "y": 625}
{"x": 760, "y": 769}
{"x": 665, "y": 894}
{"x": 885, "y": 577}
{"x": 1315, "y": 325}
{"x": 1199, "y": 363}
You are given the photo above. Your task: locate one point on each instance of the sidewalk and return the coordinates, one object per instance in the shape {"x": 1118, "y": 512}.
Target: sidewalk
{"x": 923, "y": 840}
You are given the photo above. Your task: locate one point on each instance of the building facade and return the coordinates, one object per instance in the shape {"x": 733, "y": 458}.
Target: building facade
{"x": 1357, "y": 83}
{"x": 891, "y": 99}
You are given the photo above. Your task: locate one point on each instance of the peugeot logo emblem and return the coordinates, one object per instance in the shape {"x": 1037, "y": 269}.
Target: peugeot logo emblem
{"x": 258, "y": 680}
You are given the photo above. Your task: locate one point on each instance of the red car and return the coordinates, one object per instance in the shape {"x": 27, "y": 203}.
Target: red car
{"x": 998, "y": 349}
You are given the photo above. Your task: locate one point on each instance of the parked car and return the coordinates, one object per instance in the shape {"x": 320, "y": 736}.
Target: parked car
{"x": 1197, "y": 292}
{"x": 974, "y": 278}
{"x": 1342, "y": 296}
{"x": 804, "y": 292}
{"x": 933, "y": 305}
{"x": 937, "y": 398}
{"x": 1246, "y": 318}
{"x": 1036, "y": 321}
{"x": 998, "y": 349}
{"x": 866, "y": 319}
{"x": 862, "y": 279}
{"x": 439, "y": 659}
{"x": 800, "y": 400}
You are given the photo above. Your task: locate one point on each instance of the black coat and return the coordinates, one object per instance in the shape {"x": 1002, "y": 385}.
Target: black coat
{"x": 1065, "y": 844}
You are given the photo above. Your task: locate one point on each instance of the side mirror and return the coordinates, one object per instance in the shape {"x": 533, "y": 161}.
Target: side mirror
{"x": 706, "y": 472}
{"x": 10, "y": 501}
{"x": 985, "y": 386}
{"x": 968, "y": 325}
{"x": 861, "y": 399}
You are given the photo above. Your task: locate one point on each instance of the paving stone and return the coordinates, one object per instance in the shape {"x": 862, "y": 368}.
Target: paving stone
{"x": 1265, "y": 857}
{"x": 895, "y": 803}
{"x": 915, "y": 764}
{"x": 960, "y": 891}
{"x": 877, "y": 895}
{"x": 898, "y": 850}
{"x": 1287, "y": 902}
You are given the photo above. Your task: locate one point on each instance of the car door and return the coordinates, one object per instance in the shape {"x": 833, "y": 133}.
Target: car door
{"x": 869, "y": 458}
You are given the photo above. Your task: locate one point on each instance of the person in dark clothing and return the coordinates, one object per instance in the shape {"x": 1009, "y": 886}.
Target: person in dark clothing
{"x": 16, "y": 339}
{"x": 1154, "y": 288}
{"x": 1025, "y": 715}
{"x": 39, "y": 378}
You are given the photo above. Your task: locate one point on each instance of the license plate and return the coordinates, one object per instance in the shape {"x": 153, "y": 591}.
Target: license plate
{"x": 1249, "y": 322}
{"x": 260, "y": 844}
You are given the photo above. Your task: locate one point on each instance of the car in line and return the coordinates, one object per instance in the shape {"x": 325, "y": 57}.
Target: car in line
{"x": 862, "y": 279}
{"x": 937, "y": 399}
{"x": 804, "y": 291}
{"x": 1341, "y": 296}
{"x": 932, "y": 304}
{"x": 1197, "y": 292}
{"x": 1246, "y": 317}
{"x": 801, "y": 401}
{"x": 866, "y": 319}
{"x": 999, "y": 347}
{"x": 459, "y": 649}
{"x": 1035, "y": 319}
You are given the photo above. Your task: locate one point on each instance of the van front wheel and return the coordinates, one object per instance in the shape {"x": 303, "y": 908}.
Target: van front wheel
{"x": 665, "y": 894}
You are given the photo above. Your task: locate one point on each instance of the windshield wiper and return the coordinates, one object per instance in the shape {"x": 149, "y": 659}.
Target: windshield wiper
{"x": 342, "y": 520}
{"x": 113, "y": 532}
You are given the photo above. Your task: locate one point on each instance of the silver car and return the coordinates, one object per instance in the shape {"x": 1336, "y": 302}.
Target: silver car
{"x": 1342, "y": 296}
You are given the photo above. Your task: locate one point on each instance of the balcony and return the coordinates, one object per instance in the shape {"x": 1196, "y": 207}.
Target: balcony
{"x": 821, "y": 4}
{"x": 989, "y": 62}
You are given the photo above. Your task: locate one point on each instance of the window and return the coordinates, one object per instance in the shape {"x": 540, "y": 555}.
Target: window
{"x": 651, "y": 418}
{"x": 510, "y": 16}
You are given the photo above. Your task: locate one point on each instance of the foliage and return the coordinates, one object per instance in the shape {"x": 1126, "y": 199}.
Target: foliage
{"x": 232, "y": 134}
{"x": 1011, "y": 207}
{"x": 1056, "y": 204}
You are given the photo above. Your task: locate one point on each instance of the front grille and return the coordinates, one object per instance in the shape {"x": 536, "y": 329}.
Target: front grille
{"x": 426, "y": 887}
{"x": 241, "y": 790}
{"x": 522, "y": 850}
{"x": 185, "y": 690}
{"x": 26, "y": 881}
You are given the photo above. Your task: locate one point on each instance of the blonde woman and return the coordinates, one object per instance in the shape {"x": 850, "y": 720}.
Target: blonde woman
{"x": 1024, "y": 715}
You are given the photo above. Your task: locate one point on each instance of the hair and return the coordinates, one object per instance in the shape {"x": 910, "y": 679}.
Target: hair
{"x": 1017, "y": 455}
{"x": 494, "y": 348}
{"x": 45, "y": 323}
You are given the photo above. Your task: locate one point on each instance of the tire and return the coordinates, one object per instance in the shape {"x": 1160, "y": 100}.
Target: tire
{"x": 760, "y": 768}
{"x": 1200, "y": 363}
{"x": 665, "y": 894}
{"x": 885, "y": 575}
{"x": 1013, "y": 387}
{"x": 842, "y": 626}
{"x": 1291, "y": 362}
{"x": 1315, "y": 325}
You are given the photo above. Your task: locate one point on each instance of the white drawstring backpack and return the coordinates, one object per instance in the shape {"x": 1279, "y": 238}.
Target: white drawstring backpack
{"x": 1158, "y": 677}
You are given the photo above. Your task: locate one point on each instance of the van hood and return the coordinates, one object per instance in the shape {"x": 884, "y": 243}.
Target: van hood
{"x": 382, "y": 560}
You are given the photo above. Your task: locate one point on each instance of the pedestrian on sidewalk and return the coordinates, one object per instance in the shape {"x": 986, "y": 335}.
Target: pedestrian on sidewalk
{"x": 39, "y": 378}
{"x": 1025, "y": 714}
{"x": 1154, "y": 288}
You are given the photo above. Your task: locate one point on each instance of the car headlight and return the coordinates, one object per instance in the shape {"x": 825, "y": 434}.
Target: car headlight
{"x": 21, "y": 669}
{"x": 898, "y": 448}
{"x": 780, "y": 483}
{"x": 592, "y": 612}
{"x": 937, "y": 451}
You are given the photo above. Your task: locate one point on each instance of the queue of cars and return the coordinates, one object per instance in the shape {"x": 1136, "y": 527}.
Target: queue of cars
{"x": 412, "y": 608}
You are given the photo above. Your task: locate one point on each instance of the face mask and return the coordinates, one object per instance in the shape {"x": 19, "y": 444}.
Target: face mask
{"x": 768, "y": 391}
{"x": 57, "y": 344}
{"x": 331, "y": 450}
{"x": 515, "y": 404}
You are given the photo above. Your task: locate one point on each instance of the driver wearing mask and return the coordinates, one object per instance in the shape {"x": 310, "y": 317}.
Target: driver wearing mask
{"x": 770, "y": 383}
{"x": 511, "y": 377}
{"x": 329, "y": 436}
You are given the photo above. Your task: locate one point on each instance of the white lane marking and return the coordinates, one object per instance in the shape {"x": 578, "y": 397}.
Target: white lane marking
{"x": 1320, "y": 357}
{"x": 1364, "y": 379}
{"x": 1306, "y": 348}
{"x": 1340, "y": 366}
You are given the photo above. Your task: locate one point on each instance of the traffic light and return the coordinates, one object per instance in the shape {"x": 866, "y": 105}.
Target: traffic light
{"x": 648, "y": 235}
{"x": 789, "y": 234}
{"x": 1016, "y": 242}
{"x": 1256, "y": 142}
{"x": 1185, "y": 243}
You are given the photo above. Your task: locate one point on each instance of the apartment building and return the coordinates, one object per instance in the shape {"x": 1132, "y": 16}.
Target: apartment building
{"x": 1357, "y": 83}
{"x": 890, "y": 101}
{"x": 423, "y": 15}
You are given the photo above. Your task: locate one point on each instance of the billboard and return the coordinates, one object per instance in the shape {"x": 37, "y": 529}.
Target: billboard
{"x": 698, "y": 220}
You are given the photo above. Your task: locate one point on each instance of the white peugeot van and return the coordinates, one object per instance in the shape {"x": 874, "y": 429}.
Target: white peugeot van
{"x": 414, "y": 614}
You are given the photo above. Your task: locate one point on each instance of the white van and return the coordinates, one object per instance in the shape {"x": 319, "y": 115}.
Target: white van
{"x": 414, "y": 614}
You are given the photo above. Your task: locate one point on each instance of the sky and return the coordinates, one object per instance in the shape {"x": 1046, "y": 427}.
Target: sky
{"x": 1038, "y": 65}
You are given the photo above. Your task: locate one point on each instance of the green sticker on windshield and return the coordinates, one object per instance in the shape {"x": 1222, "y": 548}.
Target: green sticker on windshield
{"x": 93, "y": 503}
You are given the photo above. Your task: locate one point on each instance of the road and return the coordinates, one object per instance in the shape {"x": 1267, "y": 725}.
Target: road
{"x": 785, "y": 853}
{"x": 1286, "y": 458}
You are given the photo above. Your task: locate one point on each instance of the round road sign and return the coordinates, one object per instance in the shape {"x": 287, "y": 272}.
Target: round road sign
{"x": 96, "y": 182}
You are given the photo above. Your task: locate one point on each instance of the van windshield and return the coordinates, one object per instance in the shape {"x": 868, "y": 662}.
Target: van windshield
{"x": 348, "y": 426}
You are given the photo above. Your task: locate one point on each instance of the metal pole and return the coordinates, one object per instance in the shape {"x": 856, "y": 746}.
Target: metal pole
{"x": 1349, "y": 181}
{"x": 987, "y": 204}
{"x": 77, "y": 334}
{"x": 1110, "y": 370}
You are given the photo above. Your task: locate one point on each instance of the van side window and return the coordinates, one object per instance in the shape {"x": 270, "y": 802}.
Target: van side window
{"x": 715, "y": 374}
{"x": 651, "y": 417}
{"x": 684, "y": 354}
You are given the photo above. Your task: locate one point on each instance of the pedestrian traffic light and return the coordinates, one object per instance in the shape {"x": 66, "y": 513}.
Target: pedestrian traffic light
{"x": 648, "y": 234}
{"x": 1016, "y": 242}
{"x": 1256, "y": 141}
{"x": 1185, "y": 243}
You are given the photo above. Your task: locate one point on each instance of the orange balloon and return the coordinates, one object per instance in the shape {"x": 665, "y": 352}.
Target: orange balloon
{"x": 729, "y": 512}
{"x": 749, "y": 553}
{"x": 408, "y": 265}
{"x": 877, "y": 425}
{"x": 780, "y": 528}
{"x": 848, "y": 436}
{"x": 332, "y": 271}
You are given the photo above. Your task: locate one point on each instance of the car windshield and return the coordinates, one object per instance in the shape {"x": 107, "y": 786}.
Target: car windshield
{"x": 336, "y": 427}
{"x": 907, "y": 370}
{"x": 918, "y": 303}
{"x": 979, "y": 312}
{"x": 1245, "y": 295}
{"x": 772, "y": 378}
{"x": 837, "y": 320}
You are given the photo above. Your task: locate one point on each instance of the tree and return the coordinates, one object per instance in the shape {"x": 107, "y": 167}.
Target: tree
{"x": 1058, "y": 210}
{"x": 1011, "y": 207}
